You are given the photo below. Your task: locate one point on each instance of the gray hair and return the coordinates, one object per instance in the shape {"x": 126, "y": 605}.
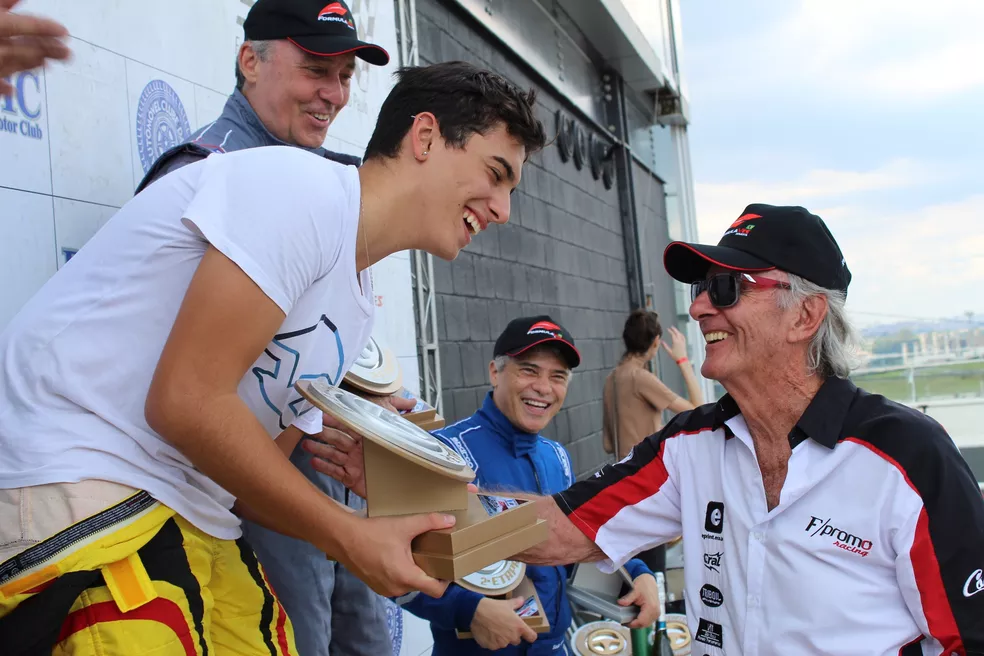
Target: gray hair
{"x": 500, "y": 362}
{"x": 835, "y": 346}
{"x": 262, "y": 50}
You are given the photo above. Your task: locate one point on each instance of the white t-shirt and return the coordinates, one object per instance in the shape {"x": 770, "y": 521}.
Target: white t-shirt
{"x": 77, "y": 361}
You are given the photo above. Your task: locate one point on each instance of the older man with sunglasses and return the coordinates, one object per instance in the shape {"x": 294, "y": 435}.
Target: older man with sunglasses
{"x": 816, "y": 518}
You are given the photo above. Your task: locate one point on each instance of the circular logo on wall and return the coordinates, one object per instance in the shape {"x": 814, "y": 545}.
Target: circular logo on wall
{"x": 161, "y": 122}
{"x": 394, "y": 621}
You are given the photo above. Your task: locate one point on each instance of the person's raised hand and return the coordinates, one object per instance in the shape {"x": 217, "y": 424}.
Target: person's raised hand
{"x": 27, "y": 42}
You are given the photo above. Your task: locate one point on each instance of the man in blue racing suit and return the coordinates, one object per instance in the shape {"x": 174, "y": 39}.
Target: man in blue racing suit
{"x": 534, "y": 359}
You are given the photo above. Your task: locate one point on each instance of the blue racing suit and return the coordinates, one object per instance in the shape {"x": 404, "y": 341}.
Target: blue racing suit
{"x": 508, "y": 459}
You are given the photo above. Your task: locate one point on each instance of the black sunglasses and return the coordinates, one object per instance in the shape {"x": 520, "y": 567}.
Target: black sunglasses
{"x": 724, "y": 289}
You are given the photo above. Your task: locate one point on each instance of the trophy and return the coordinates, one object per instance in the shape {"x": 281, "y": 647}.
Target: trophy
{"x": 376, "y": 372}
{"x": 408, "y": 471}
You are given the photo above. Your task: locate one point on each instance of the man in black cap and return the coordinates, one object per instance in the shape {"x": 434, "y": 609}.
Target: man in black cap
{"x": 533, "y": 361}
{"x": 816, "y": 518}
{"x": 293, "y": 75}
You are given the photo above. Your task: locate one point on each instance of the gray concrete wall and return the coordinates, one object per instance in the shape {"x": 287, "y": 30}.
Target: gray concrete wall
{"x": 654, "y": 237}
{"x": 561, "y": 254}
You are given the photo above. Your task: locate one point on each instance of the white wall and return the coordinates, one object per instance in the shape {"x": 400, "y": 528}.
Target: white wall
{"x": 77, "y": 138}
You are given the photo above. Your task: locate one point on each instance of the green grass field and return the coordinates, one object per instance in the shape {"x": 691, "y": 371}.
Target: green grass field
{"x": 958, "y": 379}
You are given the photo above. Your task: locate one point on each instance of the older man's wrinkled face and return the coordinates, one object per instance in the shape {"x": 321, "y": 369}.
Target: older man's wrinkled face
{"x": 746, "y": 338}
{"x": 531, "y": 388}
{"x": 296, "y": 94}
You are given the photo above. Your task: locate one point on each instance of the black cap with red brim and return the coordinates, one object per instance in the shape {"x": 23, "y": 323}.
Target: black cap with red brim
{"x": 318, "y": 27}
{"x": 766, "y": 237}
{"x": 522, "y": 334}
{"x": 690, "y": 262}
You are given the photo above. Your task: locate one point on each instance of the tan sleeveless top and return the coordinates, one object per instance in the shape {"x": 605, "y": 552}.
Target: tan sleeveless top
{"x": 632, "y": 404}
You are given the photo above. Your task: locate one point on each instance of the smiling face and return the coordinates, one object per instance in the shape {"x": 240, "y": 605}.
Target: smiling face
{"x": 746, "y": 339}
{"x": 295, "y": 94}
{"x": 464, "y": 190}
{"x": 531, "y": 388}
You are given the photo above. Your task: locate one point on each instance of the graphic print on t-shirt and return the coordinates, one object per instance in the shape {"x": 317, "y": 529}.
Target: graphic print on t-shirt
{"x": 284, "y": 366}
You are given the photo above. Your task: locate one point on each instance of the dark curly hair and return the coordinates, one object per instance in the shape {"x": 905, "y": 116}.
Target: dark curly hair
{"x": 464, "y": 98}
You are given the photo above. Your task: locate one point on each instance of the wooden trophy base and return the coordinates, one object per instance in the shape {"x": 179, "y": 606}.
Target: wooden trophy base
{"x": 427, "y": 419}
{"x": 537, "y": 621}
{"x": 408, "y": 471}
{"x": 397, "y": 487}
{"x": 478, "y": 539}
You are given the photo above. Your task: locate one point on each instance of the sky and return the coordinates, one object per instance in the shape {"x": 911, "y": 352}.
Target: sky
{"x": 869, "y": 113}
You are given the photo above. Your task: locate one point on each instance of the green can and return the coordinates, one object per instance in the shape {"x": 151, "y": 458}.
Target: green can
{"x": 642, "y": 641}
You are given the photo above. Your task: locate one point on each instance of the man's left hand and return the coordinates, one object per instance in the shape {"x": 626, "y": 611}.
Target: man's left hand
{"x": 645, "y": 595}
{"x": 337, "y": 450}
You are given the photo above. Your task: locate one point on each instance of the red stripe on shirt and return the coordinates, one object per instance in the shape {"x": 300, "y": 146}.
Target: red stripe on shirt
{"x": 646, "y": 482}
{"x": 926, "y": 569}
{"x": 160, "y": 610}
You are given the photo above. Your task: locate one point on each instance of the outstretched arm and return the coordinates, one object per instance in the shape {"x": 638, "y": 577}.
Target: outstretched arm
{"x": 566, "y": 543}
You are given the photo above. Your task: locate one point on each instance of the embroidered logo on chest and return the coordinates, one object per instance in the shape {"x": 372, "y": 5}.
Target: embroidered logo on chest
{"x": 822, "y": 528}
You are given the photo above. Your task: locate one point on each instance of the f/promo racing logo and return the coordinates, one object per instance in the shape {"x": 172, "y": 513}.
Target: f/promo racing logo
{"x": 842, "y": 539}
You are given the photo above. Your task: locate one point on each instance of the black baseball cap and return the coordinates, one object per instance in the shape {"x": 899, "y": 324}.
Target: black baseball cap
{"x": 318, "y": 27}
{"x": 526, "y": 332}
{"x": 766, "y": 237}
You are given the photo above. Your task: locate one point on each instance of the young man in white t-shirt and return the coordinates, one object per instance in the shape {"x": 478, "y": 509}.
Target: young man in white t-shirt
{"x": 141, "y": 386}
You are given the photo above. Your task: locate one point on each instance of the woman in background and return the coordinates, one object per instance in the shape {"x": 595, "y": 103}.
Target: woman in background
{"x": 634, "y": 398}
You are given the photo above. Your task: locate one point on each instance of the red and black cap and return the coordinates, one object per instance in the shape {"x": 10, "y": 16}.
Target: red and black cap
{"x": 313, "y": 26}
{"x": 526, "y": 332}
{"x": 766, "y": 237}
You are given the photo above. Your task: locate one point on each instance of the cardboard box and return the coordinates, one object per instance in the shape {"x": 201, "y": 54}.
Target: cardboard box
{"x": 409, "y": 471}
{"x": 537, "y": 622}
{"x": 474, "y": 526}
{"x": 432, "y": 425}
{"x": 478, "y": 539}
{"x": 396, "y": 485}
{"x": 422, "y": 416}
{"x": 426, "y": 419}
{"x": 458, "y": 564}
